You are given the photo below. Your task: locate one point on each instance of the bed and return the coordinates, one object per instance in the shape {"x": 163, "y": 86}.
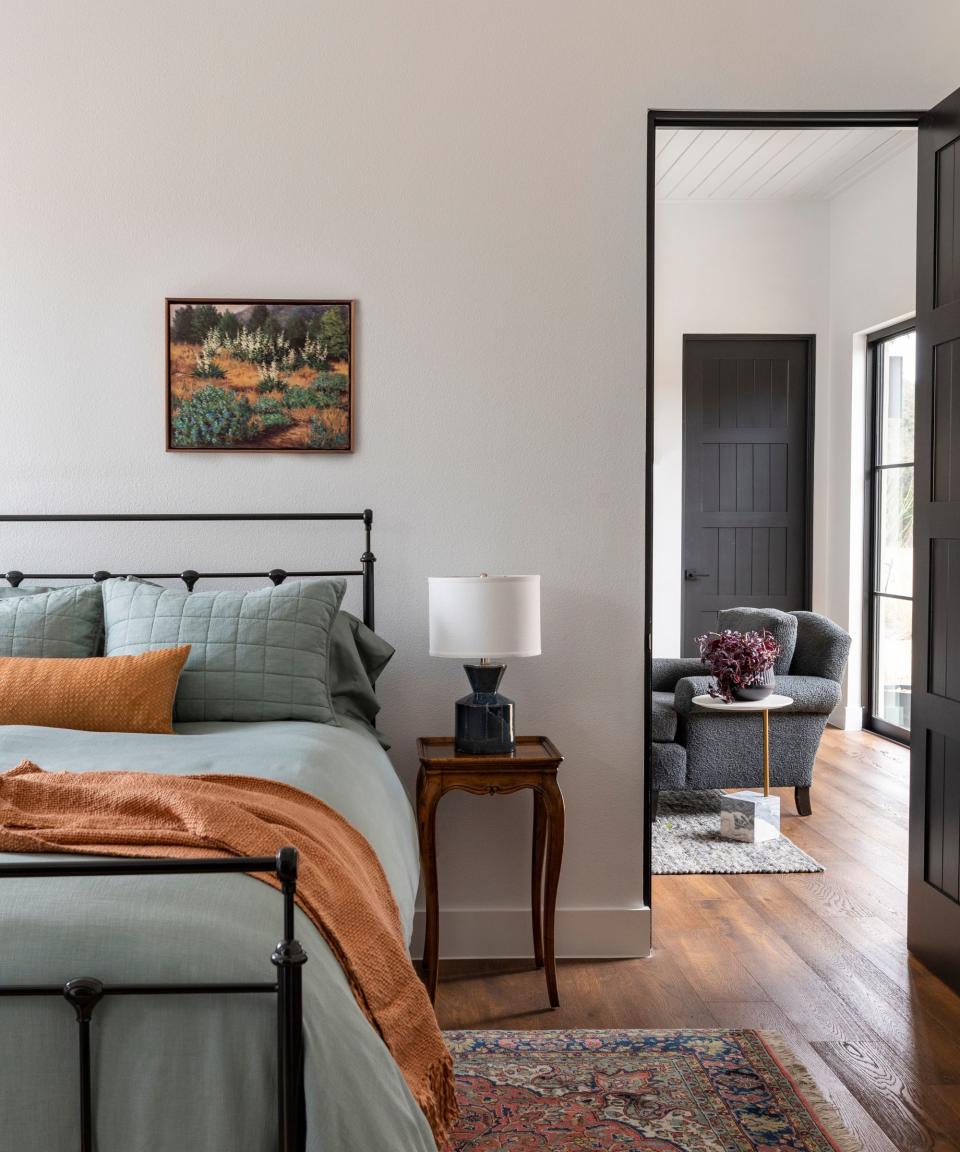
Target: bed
{"x": 200, "y": 1072}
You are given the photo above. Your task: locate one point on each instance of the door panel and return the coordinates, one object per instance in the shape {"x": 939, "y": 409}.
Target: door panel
{"x": 944, "y": 672}
{"x": 946, "y": 420}
{"x": 947, "y": 209}
{"x": 933, "y": 929}
{"x": 745, "y": 531}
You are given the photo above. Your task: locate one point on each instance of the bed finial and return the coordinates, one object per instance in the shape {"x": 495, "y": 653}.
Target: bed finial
{"x": 84, "y": 994}
{"x": 287, "y": 866}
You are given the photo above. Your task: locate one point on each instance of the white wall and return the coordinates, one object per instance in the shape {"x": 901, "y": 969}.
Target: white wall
{"x": 723, "y": 267}
{"x": 474, "y": 174}
{"x": 872, "y": 283}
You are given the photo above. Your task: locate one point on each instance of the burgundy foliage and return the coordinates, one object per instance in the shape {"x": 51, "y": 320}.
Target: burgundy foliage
{"x": 737, "y": 659}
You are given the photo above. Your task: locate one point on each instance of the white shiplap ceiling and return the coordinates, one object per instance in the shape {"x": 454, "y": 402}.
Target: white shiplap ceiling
{"x": 774, "y": 164}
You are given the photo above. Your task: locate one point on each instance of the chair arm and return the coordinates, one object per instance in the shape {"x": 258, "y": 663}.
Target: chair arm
{"x": 666, "y": 672}
{"x": 814, "y": 694}
{"x": 811, "y": 694}
{"x": 685, "y": 691}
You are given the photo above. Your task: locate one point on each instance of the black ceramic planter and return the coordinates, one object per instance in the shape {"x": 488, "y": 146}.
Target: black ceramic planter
{"x": 755, "y": 691}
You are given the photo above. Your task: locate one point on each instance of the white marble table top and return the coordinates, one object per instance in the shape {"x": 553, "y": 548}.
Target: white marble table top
{"x": 774, "y": 700}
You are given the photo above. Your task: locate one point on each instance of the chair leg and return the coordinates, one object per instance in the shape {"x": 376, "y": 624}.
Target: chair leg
{"x": 802, "y": 797}
{"x": 654, "y": 800}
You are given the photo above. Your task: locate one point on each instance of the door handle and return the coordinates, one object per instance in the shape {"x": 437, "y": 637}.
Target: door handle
{"x": 689, "y": 574}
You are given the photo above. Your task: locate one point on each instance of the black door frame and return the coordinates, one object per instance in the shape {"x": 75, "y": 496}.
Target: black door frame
{"x": 874, "y": 340}
{"x": 811, "y": 342}
{"x": 702, "y": 118}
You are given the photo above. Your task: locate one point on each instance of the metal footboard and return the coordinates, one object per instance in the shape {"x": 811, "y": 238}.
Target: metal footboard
{"x": 84, "y": 993}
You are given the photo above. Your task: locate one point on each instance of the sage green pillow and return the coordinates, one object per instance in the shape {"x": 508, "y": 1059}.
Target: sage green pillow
{"x": 64, "y": 622}
{"x": 259, "y": 655}
{"x": 357, "y": 657}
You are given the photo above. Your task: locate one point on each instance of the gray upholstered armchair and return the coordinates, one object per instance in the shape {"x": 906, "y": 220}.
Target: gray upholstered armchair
{"x": 694, "y": 749}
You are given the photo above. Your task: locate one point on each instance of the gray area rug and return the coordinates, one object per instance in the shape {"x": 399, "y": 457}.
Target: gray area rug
{"x": 686, "y": 841}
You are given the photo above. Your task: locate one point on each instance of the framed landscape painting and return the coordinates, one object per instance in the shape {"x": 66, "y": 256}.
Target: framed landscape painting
{"x": 259, "y": 375}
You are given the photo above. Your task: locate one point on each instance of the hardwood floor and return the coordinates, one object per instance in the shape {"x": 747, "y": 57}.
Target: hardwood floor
{"x": 820, "y": 958}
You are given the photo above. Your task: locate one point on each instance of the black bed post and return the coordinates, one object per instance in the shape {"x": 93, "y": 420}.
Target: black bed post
{"x": 367, "y": 561}
{"x": 84, "y": 994}
{"x": 289, "y": 959}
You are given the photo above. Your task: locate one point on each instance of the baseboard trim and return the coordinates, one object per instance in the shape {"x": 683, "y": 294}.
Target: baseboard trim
{"x": 846, "y": 717}
{"x": 505, "y": 933}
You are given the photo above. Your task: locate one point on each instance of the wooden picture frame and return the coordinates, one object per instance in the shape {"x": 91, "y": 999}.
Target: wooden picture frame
{"x": 255, "y": 375}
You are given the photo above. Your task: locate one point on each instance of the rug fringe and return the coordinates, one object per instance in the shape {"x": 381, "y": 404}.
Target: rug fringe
{"x": 819, "y": 1103}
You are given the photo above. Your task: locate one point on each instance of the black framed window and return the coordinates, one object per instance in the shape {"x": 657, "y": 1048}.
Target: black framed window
{"x": 889, "y": 570}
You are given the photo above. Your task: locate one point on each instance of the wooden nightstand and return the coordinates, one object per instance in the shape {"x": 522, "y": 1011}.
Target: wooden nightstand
{"x": 534, "y": 765}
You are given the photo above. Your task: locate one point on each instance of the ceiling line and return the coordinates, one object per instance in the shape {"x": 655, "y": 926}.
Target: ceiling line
{"x": 840, "y": 137}
{"x": 696, "y": 137}
{"x": 700, "y": 161}
{"x": 792, "y": 160}
{"x": 834, "y": 190}
{"x": 746, "y": 160}
{"x": 744, "y": 139}
{"x": 669, "y": 136}
{"x": 763, "y": 164}
{"x": 784, "y": 145}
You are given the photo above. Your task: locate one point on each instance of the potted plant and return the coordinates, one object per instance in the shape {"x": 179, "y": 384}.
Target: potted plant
{"x": 741, "y": 662}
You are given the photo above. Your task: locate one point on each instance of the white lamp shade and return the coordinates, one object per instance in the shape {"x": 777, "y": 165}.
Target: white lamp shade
{"x": 484, "y": 617}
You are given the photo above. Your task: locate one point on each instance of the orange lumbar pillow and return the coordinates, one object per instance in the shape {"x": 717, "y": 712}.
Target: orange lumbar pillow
{"x": 97, "y": 694}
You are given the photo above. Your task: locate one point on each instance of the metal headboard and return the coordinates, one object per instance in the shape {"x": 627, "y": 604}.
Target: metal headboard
{"x": 189, "y": 576}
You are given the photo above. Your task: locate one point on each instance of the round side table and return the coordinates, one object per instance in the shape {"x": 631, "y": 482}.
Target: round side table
{"x": 747, "y": 816}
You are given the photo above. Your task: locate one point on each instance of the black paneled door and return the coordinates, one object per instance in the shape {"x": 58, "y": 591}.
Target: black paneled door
{"x": 934, "y": 886}
{"x": 746, "y": 423}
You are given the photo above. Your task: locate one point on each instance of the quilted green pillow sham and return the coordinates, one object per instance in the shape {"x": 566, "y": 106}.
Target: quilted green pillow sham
{"x": 64, "y": 622}
{"x": 259, "y": 655}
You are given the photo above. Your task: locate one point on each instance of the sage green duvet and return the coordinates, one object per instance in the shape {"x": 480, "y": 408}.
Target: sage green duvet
{"x": 185, "y": 1074}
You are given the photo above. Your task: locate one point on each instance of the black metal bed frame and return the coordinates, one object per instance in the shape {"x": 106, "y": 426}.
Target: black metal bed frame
{"x": 189, "y": 576}
{"x": 84, "y": 993}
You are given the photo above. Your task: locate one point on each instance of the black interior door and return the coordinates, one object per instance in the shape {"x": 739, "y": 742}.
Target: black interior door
{"x": 746, "y": 446}
{"x": 933, "y": 930}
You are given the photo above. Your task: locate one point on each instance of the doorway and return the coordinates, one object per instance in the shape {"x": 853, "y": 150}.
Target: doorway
{"x": 748, "y": 444}
{"x": 934, "y": 817}
{"x": 723, "y": 152}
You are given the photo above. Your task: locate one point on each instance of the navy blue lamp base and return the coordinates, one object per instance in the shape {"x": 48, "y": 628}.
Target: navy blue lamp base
{"x": 484, "y": 721}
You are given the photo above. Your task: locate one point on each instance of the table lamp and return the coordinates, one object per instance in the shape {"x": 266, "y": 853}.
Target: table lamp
{"x": 484, "y": 620}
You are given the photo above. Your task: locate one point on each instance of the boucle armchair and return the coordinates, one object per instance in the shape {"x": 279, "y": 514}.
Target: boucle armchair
{"x": 694, "y": 749}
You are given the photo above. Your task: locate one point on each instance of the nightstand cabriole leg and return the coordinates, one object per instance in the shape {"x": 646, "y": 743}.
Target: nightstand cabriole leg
{"x": 428, "y": 796}
{"x": 536, "y": 873}
{"x": 554, "y": 805}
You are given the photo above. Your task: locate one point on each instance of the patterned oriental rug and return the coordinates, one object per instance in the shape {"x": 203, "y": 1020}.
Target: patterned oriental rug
{"x": 683, "y": 1090}
{"x": 687, "y": 841}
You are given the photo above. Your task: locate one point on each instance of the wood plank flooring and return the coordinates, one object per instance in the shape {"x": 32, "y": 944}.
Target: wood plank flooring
{"x": 820, "y": 958}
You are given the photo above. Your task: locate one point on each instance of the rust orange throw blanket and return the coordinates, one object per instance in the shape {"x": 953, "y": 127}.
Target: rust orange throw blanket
{"x": 341, "y": 885}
